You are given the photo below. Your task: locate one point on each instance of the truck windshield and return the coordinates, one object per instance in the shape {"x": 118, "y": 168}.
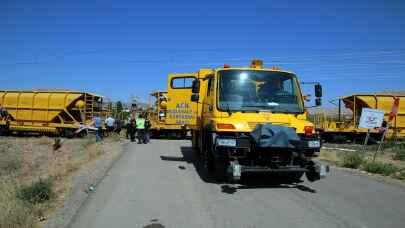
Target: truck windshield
{"x": 252, "y": 90}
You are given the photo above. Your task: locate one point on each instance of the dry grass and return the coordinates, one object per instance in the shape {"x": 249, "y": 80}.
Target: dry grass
{"x": 329, "y": 156}
{"x": 45, "y": 141}
{"x": 14, "y": 212}
{"x": 24, "y": 159}
{"x": 10, "y": 163}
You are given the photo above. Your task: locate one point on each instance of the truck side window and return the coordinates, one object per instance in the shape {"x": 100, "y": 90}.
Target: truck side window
{"x": 182, "y": 82}
{"x": 209, "y": 87}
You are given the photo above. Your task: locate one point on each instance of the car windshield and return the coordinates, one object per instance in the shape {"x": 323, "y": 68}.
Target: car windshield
{"x": 252, "y": 90}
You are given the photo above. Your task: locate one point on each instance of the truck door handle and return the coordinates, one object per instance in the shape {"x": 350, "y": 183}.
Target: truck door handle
{"x": 210, "y": 107}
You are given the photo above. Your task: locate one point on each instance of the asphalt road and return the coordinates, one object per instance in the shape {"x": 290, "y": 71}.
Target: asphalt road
{"x": 160, "y": 185}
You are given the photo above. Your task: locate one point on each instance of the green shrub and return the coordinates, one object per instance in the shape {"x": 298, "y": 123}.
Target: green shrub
{"x": 38, "y": 192}
{"x": 401, "y": 175}
{"x": 352, "y": 160}
{"x": 399, "y": 152}
{"x": 380, "y": 168}
{"x": 13, "y": 211}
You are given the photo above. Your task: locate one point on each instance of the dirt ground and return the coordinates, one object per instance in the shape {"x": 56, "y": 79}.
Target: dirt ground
{"x": 334, "y": 153}
{"x": 25, "y": 160}
{"x": 385, "y": 155}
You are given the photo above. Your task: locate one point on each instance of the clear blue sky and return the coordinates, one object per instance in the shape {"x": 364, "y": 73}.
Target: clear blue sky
{"x": 122, "y": 48}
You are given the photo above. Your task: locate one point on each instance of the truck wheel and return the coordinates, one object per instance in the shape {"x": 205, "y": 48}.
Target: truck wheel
{"x": 3, "y": 131}
{"x": 82, "y": 134}
{"x": 313, "y": 173}
{"x": 221, "y": 169}
{"x": 196, "y": 151}
{"x": 207, "y": 157}
{"x": 313, "y": 176}
{"x": 295, "y": 177}
{"x": 208, "y": 163}
{"x": 183, "y": 135}
{"x": 194, "y": 143}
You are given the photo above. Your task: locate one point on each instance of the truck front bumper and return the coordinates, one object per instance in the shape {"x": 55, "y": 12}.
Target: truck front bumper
{"x": 235, "y": 170}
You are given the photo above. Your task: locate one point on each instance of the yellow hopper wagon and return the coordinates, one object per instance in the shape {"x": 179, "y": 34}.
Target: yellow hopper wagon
{"x": 345, "y": 128}
{"x": 48, "y": 112}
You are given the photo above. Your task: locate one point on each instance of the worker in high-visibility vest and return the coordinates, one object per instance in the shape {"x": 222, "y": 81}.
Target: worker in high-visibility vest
{"x": 140, "y": 128}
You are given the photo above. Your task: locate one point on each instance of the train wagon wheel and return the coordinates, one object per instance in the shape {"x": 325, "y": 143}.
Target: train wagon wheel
{"x": 4, "y": 131}
{"x": 82, "y": 134}
{"x": 67, "y": 133}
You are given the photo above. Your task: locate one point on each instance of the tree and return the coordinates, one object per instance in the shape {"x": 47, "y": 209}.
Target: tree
{"x": 110, "y": 108}
{"x": 118, "y": 108}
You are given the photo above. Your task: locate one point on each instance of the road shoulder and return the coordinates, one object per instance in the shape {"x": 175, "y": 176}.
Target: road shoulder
{"x": 85, "y": 178}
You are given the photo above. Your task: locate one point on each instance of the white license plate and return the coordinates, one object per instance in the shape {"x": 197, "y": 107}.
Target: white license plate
{"x": 226, "y": 142}
{"x": 237, "y": 171}
{"x": 314, "y": 144}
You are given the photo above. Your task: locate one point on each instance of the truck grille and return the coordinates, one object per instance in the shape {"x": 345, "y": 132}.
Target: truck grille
{"x": 252, "y": 125}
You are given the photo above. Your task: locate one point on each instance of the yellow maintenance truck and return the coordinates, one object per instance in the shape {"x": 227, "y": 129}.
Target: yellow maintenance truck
{"x": 172, "y": 110}
{"x": 158, "y": 116}
{"x": 253, "y": 120}
{"x": 46, "y": 111}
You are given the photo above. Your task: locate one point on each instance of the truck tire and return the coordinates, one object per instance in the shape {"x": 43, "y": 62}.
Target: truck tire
{"x": 295, "y": 176}
{"x": 220, "y": 169}
{"x": 183, "y": 135}
{"x": 313, "y": 173}
{"x": 195, "y": 143}
{"x": 208, "y": 163}
{"x": 82, "y": 134}
{"x": 208, "y": 157}
{"x": 313, "y": 176}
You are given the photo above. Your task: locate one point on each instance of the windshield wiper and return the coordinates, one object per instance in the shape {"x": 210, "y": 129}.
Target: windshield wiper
{"x": 287, "y": 111}
{"x": 257, "y": 106}
{"x": 255, "y": 111}
{"x": 228, "y": 110}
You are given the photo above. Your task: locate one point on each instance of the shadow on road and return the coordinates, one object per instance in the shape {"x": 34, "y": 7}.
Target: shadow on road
{"x": 247, "y": 182}
{"x": 170, "y": 137}
{"x": 171, "y": 158}
{"x": 229, "y": 189}
{"x": 265, "y": 181}
{"x": 154, "y": 225}
{"x": 189, "y": 156}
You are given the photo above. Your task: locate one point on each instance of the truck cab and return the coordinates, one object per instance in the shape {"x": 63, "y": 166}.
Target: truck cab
{"x": 253, "y": 119}
{"x": 172, "y": 110}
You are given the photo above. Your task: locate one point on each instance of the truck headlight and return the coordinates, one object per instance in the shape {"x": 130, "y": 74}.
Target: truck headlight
{"x": 226, "y": 142}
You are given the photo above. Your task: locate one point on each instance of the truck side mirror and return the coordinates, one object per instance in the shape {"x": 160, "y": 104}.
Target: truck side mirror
{"x": 318, "y": 101}
{"x": 195, "y": 98}
{"x": 195, "y": 86}
{"x": 318, "y": 90}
